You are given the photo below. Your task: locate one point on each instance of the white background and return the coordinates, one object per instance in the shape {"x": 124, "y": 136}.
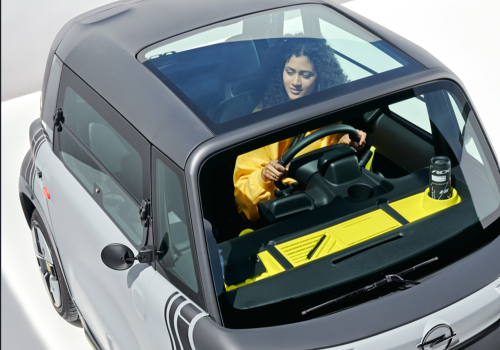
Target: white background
{"x": 463, "y": 34}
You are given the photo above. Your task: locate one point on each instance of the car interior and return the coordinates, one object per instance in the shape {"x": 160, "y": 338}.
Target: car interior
{"x": 351, "y": 214}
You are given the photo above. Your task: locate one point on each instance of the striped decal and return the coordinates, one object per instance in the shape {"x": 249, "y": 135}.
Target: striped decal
{"x": 38, "y": 139}
{"x": 181, "y": 316}
{"x": 30, "y": 171}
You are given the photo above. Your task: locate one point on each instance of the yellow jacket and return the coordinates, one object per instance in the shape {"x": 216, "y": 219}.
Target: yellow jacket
{"x": 249, "y": 188}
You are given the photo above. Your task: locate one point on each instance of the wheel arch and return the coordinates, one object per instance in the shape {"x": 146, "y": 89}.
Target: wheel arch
{"x": 28, "y": 207}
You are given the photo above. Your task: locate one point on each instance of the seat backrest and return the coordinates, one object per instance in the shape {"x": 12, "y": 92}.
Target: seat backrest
{"x": 239, "y": 58}
{"x": 235, "y": 107}
{"x": 239, "y": 62}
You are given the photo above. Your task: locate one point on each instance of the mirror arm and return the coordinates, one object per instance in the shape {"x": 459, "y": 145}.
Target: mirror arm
{"x": 145, "y": 255}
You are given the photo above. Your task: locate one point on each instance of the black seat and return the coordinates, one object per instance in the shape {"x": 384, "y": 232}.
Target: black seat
{"x": 239, "y": 62}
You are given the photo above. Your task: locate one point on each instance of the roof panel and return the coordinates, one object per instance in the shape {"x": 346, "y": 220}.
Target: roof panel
{"x": 136, "y": 93}
{"x": 104, "y": 52}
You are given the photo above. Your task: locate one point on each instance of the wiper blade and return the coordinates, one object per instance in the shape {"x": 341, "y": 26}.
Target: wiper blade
{"x": 395, "y": 278}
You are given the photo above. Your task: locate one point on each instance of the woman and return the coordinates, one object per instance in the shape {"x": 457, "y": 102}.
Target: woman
{"x": 304, "y": 66}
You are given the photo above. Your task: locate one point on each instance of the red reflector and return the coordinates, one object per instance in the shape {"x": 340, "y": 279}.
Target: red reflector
{"x": 46, "y": 192}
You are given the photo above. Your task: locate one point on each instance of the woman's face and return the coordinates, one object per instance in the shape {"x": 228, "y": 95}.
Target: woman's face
{"x": 299, "y": 77}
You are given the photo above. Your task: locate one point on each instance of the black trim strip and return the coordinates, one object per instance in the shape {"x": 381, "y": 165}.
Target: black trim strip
{"x": 362, "y": 247}
{"x": 393, "y": 213}
{"x": 356, "y": 63}
{"x": 279, "y": 257}
{"x": 89, "y": 335}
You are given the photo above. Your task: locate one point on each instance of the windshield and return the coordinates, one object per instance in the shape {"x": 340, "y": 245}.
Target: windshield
{"x": 424, "y": 185}
{"x": 263, "y": 64}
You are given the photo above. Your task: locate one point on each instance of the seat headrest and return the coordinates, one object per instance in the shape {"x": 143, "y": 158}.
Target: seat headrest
{"x": 239, "y": 58}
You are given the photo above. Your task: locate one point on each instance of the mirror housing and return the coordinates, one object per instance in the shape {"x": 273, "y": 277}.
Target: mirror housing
{"x": 119, "y": 257}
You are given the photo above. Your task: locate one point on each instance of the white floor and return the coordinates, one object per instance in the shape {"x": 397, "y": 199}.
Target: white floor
{"x": 462, "y": 34}
{"x": 28, "y": 318}
{"x": 28, "y": 30}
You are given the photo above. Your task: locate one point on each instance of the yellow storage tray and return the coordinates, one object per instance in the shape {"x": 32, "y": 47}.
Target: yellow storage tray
{"x": 421, "y": 205}
{"x": 338, "y": 237}
{"x": 350, "y": 233}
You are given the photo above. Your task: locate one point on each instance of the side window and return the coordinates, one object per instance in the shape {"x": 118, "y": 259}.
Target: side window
{"x": 176, "y": 248}
{"x": 48, "y": 102}
{"x": 105, "y": 142}
{"x": 413, "y": 110}
{"x": 105, "y": 153}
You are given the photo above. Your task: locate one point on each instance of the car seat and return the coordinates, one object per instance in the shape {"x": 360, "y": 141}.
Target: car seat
{"x": 239, "y": 61}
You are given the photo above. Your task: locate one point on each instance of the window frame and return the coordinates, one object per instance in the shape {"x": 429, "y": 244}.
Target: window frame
{"x": 197, "y": 297}
{"x": 68, "y": 77}
{"x": 46, "y": 116}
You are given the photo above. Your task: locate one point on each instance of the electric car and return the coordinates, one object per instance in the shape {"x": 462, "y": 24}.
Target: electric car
{"x": 154, "y": 224}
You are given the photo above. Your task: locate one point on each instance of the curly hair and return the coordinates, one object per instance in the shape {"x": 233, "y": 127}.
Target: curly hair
{"x": 319, "y": 54}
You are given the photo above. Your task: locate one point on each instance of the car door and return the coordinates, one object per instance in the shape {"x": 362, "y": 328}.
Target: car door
{"x": 175, "y": 298}
{"x": 40, "y": 137}
{"x": 97, "y": 178}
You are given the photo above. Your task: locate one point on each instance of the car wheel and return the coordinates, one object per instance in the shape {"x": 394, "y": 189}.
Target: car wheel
{"x": 51, "y": 271}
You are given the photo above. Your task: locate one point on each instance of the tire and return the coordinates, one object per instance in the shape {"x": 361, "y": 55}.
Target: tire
{"x": 53, "y": 280}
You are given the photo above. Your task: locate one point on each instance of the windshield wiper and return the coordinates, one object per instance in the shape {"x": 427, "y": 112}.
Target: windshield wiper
{"x": 395, "y": 278}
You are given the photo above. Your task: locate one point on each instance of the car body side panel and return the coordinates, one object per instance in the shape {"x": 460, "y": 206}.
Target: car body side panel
{"x": 110, "y": 301}
{"x": 136, "y": 93}
{"x": 467, "y": 317}
{"x": 32, "y": 187}
{"x": 41, "y": 149}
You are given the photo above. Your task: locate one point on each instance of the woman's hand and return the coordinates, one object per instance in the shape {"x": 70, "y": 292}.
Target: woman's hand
{"x": 357, "y": 146}
{"x": 274, "y": 171}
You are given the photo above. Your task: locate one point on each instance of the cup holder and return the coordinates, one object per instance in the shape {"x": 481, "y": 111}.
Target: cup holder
{"x": 360, "y": 191}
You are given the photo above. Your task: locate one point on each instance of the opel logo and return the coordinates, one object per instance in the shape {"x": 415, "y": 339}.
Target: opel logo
{"x": 438, "y": 338}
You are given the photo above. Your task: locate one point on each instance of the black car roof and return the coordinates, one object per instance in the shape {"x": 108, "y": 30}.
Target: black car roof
{"x": 101, "y": 47}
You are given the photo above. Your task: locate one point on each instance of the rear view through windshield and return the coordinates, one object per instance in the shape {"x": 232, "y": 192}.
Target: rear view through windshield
{"x": 424, "y": 186}
{"x": 255, "y": 67}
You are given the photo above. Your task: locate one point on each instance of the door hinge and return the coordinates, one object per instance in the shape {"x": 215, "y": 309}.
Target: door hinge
{"x": 145, "y": 212}
{"x": 58, "y": 119}
{"x": 146, "y": 254}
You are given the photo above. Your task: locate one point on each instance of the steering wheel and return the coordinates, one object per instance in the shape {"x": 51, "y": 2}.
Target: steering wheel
{"x": 306, "y": 141}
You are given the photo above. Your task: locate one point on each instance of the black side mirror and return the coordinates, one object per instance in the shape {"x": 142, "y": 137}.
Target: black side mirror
{"x": 119, "y": 257}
